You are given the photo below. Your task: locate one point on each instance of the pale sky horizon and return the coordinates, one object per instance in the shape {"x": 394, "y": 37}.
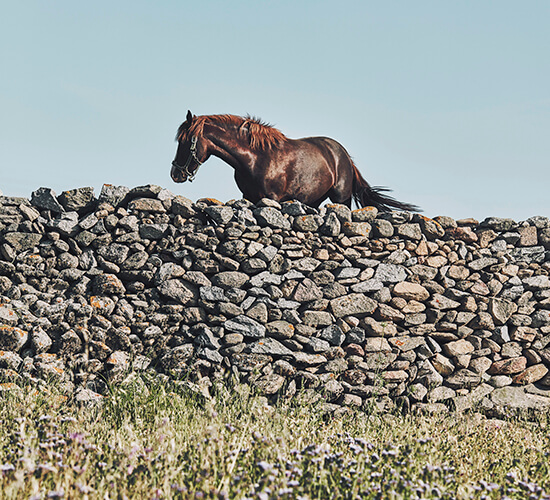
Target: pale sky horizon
{"x": 446, "y": 103}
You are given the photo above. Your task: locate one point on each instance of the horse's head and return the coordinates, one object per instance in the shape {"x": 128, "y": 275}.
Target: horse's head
{"x": 191, "y": 152}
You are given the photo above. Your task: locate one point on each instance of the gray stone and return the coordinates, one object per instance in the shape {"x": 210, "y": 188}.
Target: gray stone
{"x": 230, "y": 279}
{"x": 269, "y": 346}
{"x": 304, "y": 358}
{"x": 463, "y": 403}
{"x": 499, "y": 224}
{"x": 390, "y": 273}
{"x": 376, "y": 344}
{"x": 463, "y": 379}
{"x": 115, "y": 253}
{"x": 245, "y": 326}
{"x": 441, "y": 393}
{"x": 153, "y": 231}
{"x": 22, "y": 241}
{"x": 482, "y": 263}
{"x": 46, "y": 199}
{"x": 221, "y": 215}
{"x": 114, "y": 195}
{"x": 269, "y": 384}
{"x": 269, "y": 216}
{"x": 212, "y": 294}
{"x": 366, "y": 214}
{"x": 79, "y": 200}
{"x": 66, "y": 224}
{"x": 382, "y": 228}
{"x": 318, "y": 345}
{"x": 333, "y": 335}
{"x": 443, "y": 303}
{"x": 411, "y": 231}
{"x": 352, "y": 304}
{"x": 146, "y": 205}
{"x": 179, "y": 291}
{"x": 428, "y": 375}
{"x": 307, "y": 291}
{"x": 331, "y": 225}
{"x": 307, "y": 223}
{"x": 516, "y": 398}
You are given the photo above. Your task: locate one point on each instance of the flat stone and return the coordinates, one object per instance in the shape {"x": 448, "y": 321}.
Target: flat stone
{"x": 410, "y": 230}
{"x": 536, "y": 282}
{"x": 508, "y": 366}
{"x": 531, "y": 374}
{"x": 280, "y": 329}
{"x": 352, "y": 304}
{"x": 516, "y": 398}
{"x": 463, "y": 403}
{"x": 458, "y": 347}
{"x": 307, "y": 223}
{"x": 406, "y": 343}
{"x": 441, "y": 393}
{"x": 463, "y": 379}
{"x": 318, "y": 345}
{"x": 499, "y": 224}
{"x": 307, "y": 291}
{"x": 146, "y": 205}
{"x": 376, "y": 344}
{"x": 500, "y": 380}
{"x": 245, "y": 326}
{"x": 356, "y": 228}
{"x": 305, "y": 358}
{"x": 22, "y": 241}
{"x": 390, "y": 273}
{"x": 178, "y": 290}
{"x": 230, "y": 279}
{"x": 250, "y": 362}
{"x": 395, "y": 376}
{"x": 271, "y": 347}
{"x": 411, "y": 291}
{"x": 443, "y": 303}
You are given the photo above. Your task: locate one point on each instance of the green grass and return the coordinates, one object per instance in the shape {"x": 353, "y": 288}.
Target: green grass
{"x": 156, "y": 440}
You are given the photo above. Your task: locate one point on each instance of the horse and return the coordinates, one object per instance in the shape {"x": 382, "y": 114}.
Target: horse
{"x": 270, "y": 165}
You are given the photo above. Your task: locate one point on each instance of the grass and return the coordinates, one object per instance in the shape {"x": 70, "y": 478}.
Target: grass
{"x": 152, "y": 439}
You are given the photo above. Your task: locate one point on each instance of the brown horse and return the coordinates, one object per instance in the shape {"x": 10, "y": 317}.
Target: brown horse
{"x": 270, "y": 165}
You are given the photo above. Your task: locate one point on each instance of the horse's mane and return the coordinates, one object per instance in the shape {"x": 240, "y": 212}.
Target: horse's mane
{"x": 261, "y": 135}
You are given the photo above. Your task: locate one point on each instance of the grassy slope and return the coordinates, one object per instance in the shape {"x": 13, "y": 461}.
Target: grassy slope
{"x": 149, "y": 440}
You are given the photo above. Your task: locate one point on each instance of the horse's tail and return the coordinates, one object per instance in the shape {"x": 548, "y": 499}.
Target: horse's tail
{"x": 366, "y": 195}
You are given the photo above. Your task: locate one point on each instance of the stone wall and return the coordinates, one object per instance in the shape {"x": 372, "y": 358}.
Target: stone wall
{"x": 352, "y": 306}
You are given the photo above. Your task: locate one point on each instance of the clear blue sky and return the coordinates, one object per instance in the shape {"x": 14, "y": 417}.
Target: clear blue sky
{"x": 445, "y": 102}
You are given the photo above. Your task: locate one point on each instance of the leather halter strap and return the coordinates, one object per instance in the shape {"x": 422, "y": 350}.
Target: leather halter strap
{"x": 192, "y": 156}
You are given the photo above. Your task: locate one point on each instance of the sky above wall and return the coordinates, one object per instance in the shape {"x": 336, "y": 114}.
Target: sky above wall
{"x": 447, "y": 103}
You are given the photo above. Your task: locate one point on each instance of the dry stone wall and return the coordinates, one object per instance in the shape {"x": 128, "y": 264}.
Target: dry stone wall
{"x": 354, "y": 307}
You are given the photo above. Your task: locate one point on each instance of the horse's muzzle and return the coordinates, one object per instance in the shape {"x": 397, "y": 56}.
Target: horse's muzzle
{"x": 177, "y": 174}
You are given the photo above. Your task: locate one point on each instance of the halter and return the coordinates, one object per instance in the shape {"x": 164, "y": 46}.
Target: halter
{"x": 192, "y": 156}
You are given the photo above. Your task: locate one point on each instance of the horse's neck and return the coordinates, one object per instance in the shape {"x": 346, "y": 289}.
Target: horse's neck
{"x": 230, "y": 147}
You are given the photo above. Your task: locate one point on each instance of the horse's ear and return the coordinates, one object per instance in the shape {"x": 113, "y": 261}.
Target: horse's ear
{"x": 189, "y": 116}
